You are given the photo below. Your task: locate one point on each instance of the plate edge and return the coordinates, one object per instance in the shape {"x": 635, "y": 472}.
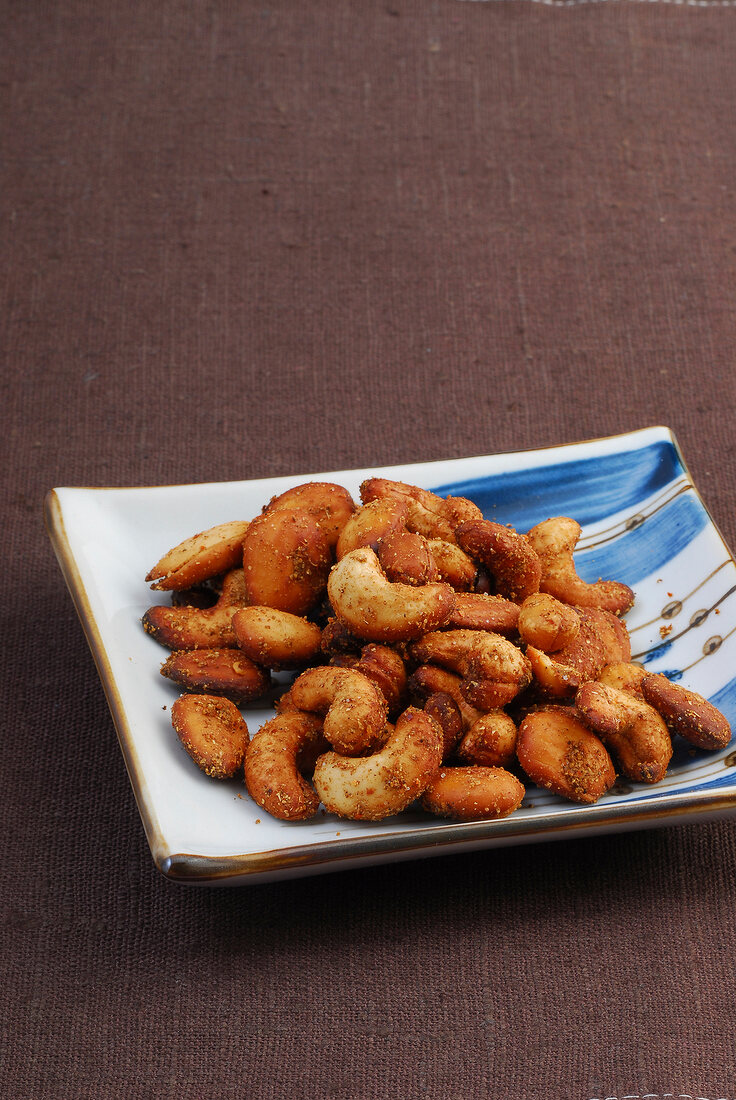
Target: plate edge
{"x": 191, "y": 869}
{"x": 55, "y": 528}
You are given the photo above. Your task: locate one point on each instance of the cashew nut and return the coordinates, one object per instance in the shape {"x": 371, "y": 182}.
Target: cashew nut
{"x": 337, "y": 638}
{"x": 494, "y": 670}
{"x": 430, "y": 515}
{"x": 379, "y": 611}
{"x": 452, "y": 564}
{"x": 213, "y": 731}
{"x": 355, "y": 710}
{"x": 446, "y": 713}
{"x": 187, "y": 627}
{"x": 631, "y": 728}
{"x": 405, "y": 558}
{"x": 200, "y": 557}
{"x": 508, "y": 555}
{"x": 286, "y": 559}
{"x": 225, "y": 672}
{"x": 276, "y": 639}
{"x": 623, "y": 675}
{"x": 273, "y": 763}
{"x": 554, "y": 541}
{"x": 331, "y": 506}
{"x": 371, "y": 523}
{"x": 490, "y": 741}
{"x": 558, "y": 752}
{"x": 602, "y": 639}
{"x": 385, "y": 668}
{"x": 430, "y": 679}
{"x": 483, "y": 611}
{"x": 546, "y": 623}
{"x": 370, "y": 788}
{"x": 686, "y": 712}
{"x": 473, "y": 793}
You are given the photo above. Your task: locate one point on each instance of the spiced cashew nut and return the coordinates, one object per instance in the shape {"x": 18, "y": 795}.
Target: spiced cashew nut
{"x": 276, "y": 639}
{"x": 370, "y": 788}
{"x": 330, "y": 505}
{"x": 377, "y": 610}
{"x": 213, "y": 731}
{"x": 493, "y": 669}
{"x": 453, "y": 565}
{"x": 490, "y": 741}
{"x": 354, "y": 708}
{"x": 286, "y": 559}
{"x": 371, "y": 523}
{"x": 546, "y": 623}
{"x": 508, "y": 556}
{"x": 225, "y": 672}
{"x": 687, "y": 712}
{"x": 483, "y": 611}
{"x": 428, "y": 680}
{"x": 382, "y": 665}
{"x": 187, "y": 627}
{"x": 405, "y": 558}
{"x": 446, "y": 713}
{"x": 473, "y": 793}
{"x": 430, "y": 515}
{"x": 560, "y": 753}
{"x": 200, "y": 557}
{"x": 554, "y": 541}
{"x": 272, "y": 765}
{"x": 631, "y": 728}
{"x": 602, "y": 639}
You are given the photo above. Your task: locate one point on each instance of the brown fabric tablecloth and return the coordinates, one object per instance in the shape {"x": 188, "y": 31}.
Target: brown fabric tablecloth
{"x": 244, "y": 240}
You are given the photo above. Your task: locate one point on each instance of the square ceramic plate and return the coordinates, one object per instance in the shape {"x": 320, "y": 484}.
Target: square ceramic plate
{"x": 643, "y": 523}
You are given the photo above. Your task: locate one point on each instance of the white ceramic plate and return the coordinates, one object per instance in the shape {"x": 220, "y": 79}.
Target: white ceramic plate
{"x": 643, "y": 523}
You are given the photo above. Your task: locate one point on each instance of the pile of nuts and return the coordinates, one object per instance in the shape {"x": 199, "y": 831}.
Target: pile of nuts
{"x": 435, "y": 654}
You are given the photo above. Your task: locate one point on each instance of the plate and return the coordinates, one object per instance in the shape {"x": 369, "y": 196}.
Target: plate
{"x": 643, "y": 523}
